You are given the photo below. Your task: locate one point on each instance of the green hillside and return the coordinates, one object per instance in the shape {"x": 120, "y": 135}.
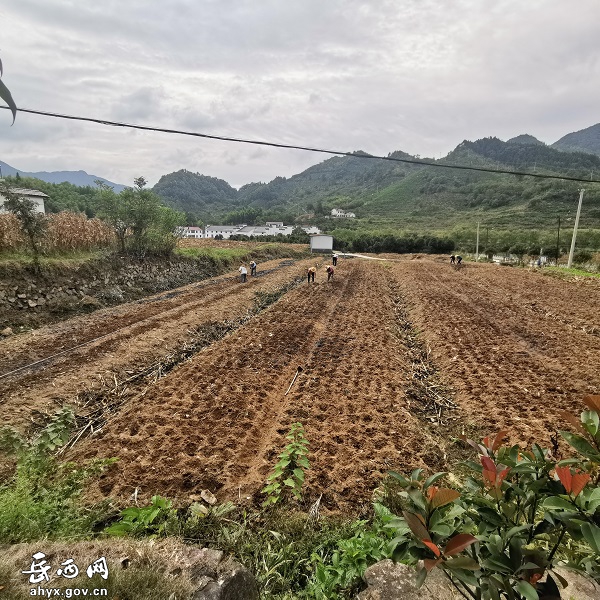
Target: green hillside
{"x": 386, "y": 194}
{"x": 197, "y": 194}
{"x": 585, "y": 140}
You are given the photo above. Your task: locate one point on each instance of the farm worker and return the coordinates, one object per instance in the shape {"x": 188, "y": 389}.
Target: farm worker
{"x": 452, "y": 258}
{"x": 458, "y": 260}
{"x": 334, "y": 259}
{"x": 243, "y": 272}
{"x": 252, "y": 268}
{"x": 329, "y": 270}
{"x": 311, "y": 274}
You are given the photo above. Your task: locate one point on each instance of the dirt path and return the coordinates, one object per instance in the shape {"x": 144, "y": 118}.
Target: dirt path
{"x": 127, "y": 338}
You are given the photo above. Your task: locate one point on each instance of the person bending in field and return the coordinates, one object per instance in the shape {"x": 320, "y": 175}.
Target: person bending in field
{"x": 243, "y": 272}
{"x": 329, "y": 271}
{"x": 458, "y": 260}
{"x": 252, "y": 269}
{"x": 311, "y": 274}
{"x": 334, "y": 259}
{"x": 452, "y": 259}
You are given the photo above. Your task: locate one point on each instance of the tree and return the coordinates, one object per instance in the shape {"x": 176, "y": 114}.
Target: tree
{"x": 141, "y": 223}
{"x": 142, "y": 210}
{"x": 32, "y": 222}
{"x": 113, "y": 211}
{"x": 519, "y": 250}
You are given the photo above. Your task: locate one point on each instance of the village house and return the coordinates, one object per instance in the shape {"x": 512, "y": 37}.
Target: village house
{"x": 226, "y": 231}
{"x": 338, "y": 213}
{"x": 36, "y": 196}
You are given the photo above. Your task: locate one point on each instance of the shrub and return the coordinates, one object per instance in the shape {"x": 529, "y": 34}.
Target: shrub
{"x": 515, "y": 519}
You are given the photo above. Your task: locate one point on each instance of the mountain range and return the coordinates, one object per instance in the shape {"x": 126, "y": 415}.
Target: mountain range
{"x": 79, "y": 178}
{"x": 395, "y": 192}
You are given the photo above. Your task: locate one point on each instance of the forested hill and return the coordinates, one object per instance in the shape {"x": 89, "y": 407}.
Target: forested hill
{"x": 396, "y": 192}
{"x": 525, "y": 138}
{"x": 525, "y": 157}
{"x": 196, "y": 194}
{"x": 384, "y": 193}
{"x": 344, "y": 179}
{"x": 586, "y": 140}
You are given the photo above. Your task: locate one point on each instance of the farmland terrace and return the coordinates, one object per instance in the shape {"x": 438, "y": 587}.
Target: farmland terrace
{"x": 397, "y": 359}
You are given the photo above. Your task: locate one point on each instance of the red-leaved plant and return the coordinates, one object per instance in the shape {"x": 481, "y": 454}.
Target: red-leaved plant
{"x": 514, "y": 520}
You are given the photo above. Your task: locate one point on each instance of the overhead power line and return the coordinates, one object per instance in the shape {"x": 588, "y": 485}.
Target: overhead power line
{"x": 304, "y": 148}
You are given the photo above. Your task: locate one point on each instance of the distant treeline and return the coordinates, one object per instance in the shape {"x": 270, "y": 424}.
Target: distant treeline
{"x": 399, "y": 244}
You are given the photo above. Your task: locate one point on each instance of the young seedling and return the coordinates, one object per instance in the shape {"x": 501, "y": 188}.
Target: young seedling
{"x": 288, "y": 473}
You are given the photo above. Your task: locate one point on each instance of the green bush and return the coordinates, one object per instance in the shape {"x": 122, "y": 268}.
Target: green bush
{"x": 515, "y": 519}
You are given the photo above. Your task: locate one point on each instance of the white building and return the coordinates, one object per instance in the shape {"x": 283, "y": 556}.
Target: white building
{"x": 192, "y": 232}
{"x": 270, "y": 228}
{"x": 36, "y": 196}
{"x": 337, "y": 213}
{"x": 321, "y": 243}
{"x": 212, "y": 231}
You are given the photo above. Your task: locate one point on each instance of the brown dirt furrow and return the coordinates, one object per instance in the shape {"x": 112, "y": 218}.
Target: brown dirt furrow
{"x": 219, "y": 421}
{"x": 136, "y": 335}
{"x": 515, "y": 365}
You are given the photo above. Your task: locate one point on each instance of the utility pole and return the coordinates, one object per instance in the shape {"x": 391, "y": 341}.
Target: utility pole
{"x": 558, "y": 242}
{"x": 477, "y": 244}
{"x": 575, "y": 228}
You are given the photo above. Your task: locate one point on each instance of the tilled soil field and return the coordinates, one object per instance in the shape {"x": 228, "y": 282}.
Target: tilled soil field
{"x": 382, "y": 347}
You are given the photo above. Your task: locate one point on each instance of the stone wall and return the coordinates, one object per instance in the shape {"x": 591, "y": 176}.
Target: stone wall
{"x": 29, "y": 299}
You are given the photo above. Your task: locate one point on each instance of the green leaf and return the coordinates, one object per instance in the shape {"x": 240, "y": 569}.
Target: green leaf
{"x": 491, "y": 516}
{"x": 7, "y": 97}
{"x": 527, "y": 591}
{"x": 555, "y": 502}
{"x": 399, "y": 477}
{"x": 591, "y": 421}
{"x": 289, "y": 482}
{"x": 299, "y": 473}
{"x": 431, "y": 480}
{"x": 417, "y": 497}
{"x": 416, "y": 474}
{"x": 499, "y": 563}
{"x": 421, "y": 576}
{"x": 462, "y": 562}
{"x": 514, "y": 530}
{"x": 591, "y": 533}
{"x": 581, "y": 445}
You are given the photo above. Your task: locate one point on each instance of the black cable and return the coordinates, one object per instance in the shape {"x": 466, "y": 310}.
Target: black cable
{"x": 292, "y": 147}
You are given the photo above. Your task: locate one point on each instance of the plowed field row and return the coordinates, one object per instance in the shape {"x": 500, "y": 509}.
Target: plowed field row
{"x": 219, "y": 421}
{"x": 519, "y": 347}
{"x": 132, "y": 336}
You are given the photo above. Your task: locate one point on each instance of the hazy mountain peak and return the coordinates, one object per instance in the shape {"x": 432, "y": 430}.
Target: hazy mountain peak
{"x": 525, "y": 138}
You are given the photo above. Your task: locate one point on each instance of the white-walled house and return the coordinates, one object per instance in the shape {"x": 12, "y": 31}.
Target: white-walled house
{"x": 35, "y": 195}
{"x": 192, "y": 232}
{"x": 338, "y": 213}
{"x": 270, "y": 228}
{"x": 226, "y": 231}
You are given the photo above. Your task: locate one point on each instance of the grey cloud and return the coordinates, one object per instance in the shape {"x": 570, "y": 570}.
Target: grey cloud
{"x": 419, "y": 76}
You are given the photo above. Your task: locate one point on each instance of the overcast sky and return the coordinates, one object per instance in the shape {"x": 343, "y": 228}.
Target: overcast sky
{"x": 380, "y": 75}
